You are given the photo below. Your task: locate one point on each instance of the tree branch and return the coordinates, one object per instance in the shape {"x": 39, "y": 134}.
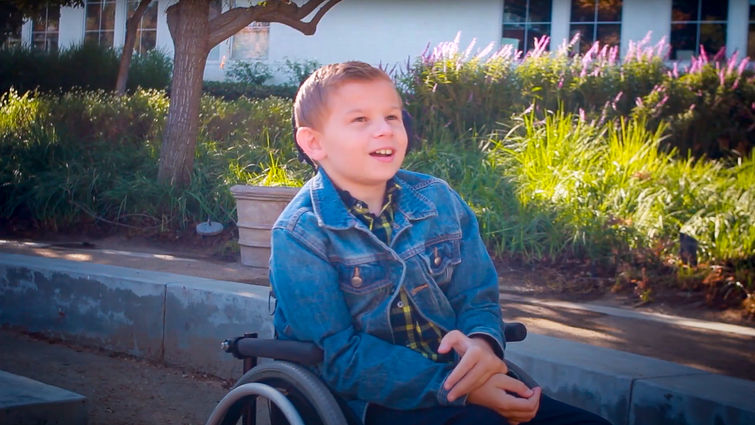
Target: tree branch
{"x": 132, "y": 25}
{"x": 307, "y": 8}
{"x": 307, "y": 28}
{"x": 281, "y": 11}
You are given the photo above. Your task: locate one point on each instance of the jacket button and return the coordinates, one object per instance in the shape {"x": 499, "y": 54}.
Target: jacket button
{"x": 356, "y": 281}
{"x": 437, "y": 261}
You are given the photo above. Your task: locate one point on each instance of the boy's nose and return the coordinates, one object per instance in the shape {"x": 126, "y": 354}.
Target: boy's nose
{"x": 384, "y": 128}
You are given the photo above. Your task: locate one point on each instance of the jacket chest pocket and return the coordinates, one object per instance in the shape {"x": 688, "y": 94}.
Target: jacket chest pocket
{"x": 364, "y": 286}
{"x": 441, "y": 259}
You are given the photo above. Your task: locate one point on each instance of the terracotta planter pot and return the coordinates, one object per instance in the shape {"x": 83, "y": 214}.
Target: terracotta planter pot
{"x": 257, "y": 208}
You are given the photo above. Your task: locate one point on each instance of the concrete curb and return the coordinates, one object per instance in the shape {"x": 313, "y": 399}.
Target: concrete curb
{"x": 171, "y": 318}
{"x": 24, "y": 401}
{"x": 180, "y": 320}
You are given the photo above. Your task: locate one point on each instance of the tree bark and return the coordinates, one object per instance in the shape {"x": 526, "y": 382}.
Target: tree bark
{"x": 188, "y": 24}
{"x": 193, "y": 37}
{"x": 132, "y": 25}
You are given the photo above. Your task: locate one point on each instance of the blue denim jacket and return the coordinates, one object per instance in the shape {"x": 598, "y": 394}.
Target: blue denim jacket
{"x": 335, "y": 282}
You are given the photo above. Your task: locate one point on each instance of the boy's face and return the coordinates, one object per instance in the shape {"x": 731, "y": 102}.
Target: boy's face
{"x": 361, "y": 141}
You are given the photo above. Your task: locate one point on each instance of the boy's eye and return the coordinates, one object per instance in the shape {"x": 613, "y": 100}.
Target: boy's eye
{"x": 359, "y": 119}
{"x": 392, "y": 117}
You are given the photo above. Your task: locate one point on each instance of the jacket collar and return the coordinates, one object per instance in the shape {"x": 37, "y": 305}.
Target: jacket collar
{"x": 331, "y": 211}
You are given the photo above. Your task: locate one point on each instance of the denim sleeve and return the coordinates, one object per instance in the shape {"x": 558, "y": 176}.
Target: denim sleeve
{"x": 473, "y": 290}
{"x": 356, "y": 365}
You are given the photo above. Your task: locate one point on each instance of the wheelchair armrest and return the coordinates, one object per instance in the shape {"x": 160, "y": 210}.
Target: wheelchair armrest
{"x": 514, "y": 331}
{"x": 307, "y": 353}
{"x": 304, "y": 353}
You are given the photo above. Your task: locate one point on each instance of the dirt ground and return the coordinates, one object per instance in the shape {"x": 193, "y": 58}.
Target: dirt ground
{"x": 123, "y": 390}
{"x": 120, "y": 390}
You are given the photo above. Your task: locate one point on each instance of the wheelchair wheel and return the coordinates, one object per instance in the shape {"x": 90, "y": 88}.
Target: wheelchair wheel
{"x": 309, "y": 395}
{"x": 520, "y": 374}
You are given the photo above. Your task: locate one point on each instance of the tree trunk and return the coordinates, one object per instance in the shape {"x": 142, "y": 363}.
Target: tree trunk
{"x": 193, "y": 36}
{"x": 188, "y": 25}
{"x": 132, "y": 24}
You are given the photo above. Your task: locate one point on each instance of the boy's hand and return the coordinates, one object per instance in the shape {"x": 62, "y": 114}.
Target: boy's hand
{"x": 478, "y": 363}
{"x": 509, "y": 397}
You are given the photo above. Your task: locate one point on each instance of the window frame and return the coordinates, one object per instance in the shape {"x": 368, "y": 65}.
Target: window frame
{"x": 526, "y": 24}
{"x": 46, "y": 32}
{"x": 254, "y": 28}
{"x": 698, "y": 22}
{"x": 140, "y": 29}
{"x": 100, "y": 31}
{"x": 594, "y": 23}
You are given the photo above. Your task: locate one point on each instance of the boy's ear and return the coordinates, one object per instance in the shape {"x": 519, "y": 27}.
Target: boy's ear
{"x": 308, "y": 140}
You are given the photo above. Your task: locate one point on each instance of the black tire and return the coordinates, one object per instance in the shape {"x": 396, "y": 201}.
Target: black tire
{"x": 309, "y": 395}
{"x": 520, "y": 374}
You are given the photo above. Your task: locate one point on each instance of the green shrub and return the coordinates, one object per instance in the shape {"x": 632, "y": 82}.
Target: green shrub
{"x": 252, "y": 73}
{"x": 448, "y": 88}
{"x": 231, "y": 90}
{"x": 90, "y": 156}
{"x": 150, "y": 70}
{"x": 88, "y": 66}
{"x": 708, "y": 106}
{"x": 609, "y": 189}
{"x": 298, "y": 71}
{"x": 25, "y": 68}
{"x": 65, "y": 160}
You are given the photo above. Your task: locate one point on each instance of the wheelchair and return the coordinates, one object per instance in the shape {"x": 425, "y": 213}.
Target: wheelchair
{"x": 290, "y": 392}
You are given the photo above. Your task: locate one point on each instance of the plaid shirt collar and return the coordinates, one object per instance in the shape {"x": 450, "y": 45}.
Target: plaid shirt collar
{"x": 381, "y": 224}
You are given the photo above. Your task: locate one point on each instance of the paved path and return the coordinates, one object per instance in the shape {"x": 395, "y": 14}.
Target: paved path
{"x": 711, "y": 346}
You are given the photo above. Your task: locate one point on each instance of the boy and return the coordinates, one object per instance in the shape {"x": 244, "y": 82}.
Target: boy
{"x": 385, "y": 270}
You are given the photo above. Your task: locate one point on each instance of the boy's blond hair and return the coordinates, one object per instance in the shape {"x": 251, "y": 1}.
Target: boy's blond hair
{"x": 311, "y": 103}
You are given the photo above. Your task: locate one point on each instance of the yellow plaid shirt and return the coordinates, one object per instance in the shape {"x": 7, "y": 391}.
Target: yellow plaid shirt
{"x": 409, "y": 329}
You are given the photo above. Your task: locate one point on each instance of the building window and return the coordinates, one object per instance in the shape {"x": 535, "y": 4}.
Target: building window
{"x": 12, "y": 38}
{"x": 251, "y": 42}
{"x": 525, "y": 20}
{"x": 595, "y": 20}
{"x": 44, "y": 30}
{"x": 100, "y": 22}
{"x": 146, "y": 33}
{"x": 698, "y": 23}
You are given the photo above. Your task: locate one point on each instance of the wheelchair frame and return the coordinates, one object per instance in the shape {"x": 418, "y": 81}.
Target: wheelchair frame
{"x": 295, "y": 391}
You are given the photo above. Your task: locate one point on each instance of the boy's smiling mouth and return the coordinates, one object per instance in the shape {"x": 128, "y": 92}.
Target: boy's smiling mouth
{"x": 382, "y": 153}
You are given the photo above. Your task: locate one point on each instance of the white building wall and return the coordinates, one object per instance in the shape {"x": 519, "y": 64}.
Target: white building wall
{"x": 71, "y": 27}
{"x": 387, "y": 32}
{"x": 737, "y": 28}
{"x": 121, "y": 15}
{"x": 164, "y": 41}
{"x": 640, "y": 17}
{"x": 560, "y": 17}
{"x": 26, "y": 29}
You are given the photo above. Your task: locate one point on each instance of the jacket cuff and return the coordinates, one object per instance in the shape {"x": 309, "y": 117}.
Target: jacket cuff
{"x": 494, "y": 343}
{"x": 443, "y": 396}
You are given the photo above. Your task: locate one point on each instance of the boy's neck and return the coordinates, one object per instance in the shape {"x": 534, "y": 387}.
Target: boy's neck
{"x": 372, "y": 196}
